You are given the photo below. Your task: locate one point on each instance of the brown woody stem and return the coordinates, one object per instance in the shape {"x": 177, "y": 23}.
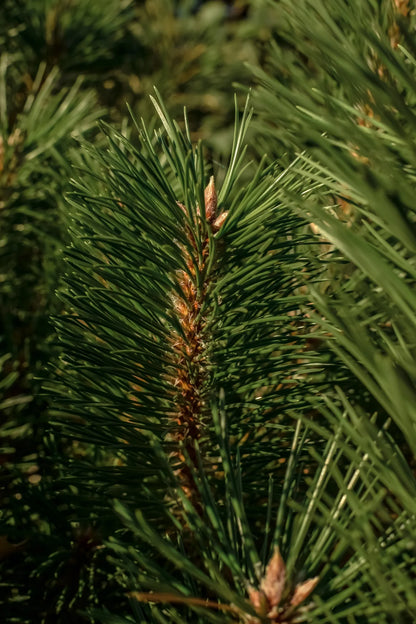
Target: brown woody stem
{"x": 187, "y": 600}
{"x": 189, "y": 345}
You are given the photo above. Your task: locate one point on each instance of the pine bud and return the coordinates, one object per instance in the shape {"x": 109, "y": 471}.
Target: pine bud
{"x": 303, "y": 590}
{"x": 274, "y": 579}
{"x": 219, "y": 221}
{"x": 210, "y": 196}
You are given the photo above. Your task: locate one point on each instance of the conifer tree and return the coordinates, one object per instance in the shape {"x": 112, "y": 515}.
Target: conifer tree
{"x": 353, "y": 132}
{"x": 38, "y": 121}
{"x": 44, "y": 105}
{"x": 232, "y": 435}
{"x": 176, "y": 290}
{"x": 187, "y": 362}
{"x": 65, "y": 63}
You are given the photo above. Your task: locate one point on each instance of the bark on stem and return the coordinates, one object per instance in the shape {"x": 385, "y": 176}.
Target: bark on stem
{"x": 190, "y": 345}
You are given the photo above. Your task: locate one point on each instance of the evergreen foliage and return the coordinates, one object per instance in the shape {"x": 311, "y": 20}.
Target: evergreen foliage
{"x": 35, "y": 129}
{"x": 169, "y": 308}
{"x": 353, "y": 132}
{"x": 118, "y": 48}
{"x": 231, "y": 392}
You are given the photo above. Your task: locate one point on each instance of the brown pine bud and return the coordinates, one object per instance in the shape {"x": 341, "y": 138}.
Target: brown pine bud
{"x": 210, "y": 196}
{"x": 402, "y": 6}
{"x": 303, "y": 590}
{"x": 259, "y": 601}
{"x": 219, "y": 221}
{"x": 273, "y": 582}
